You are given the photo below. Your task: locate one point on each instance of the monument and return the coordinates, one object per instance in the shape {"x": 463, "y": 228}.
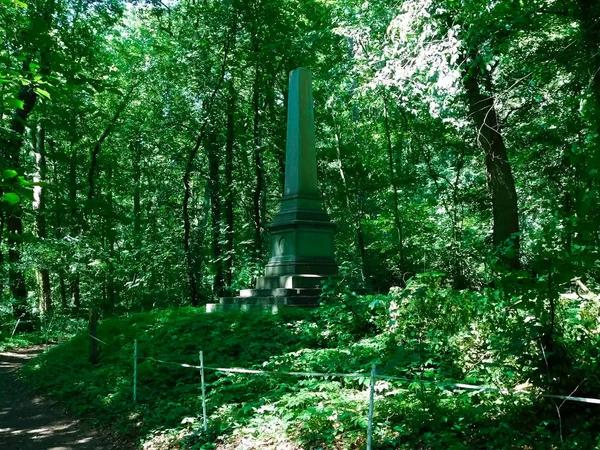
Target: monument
{"x": 301, "y": 250}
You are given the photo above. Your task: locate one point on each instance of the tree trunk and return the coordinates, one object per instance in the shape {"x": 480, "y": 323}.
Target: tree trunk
{"x": 58, "y": 209}
{"x": 93, "y": 332}
{"x": 97, "y": 147}
{"x": 2, "y": 280}
{"x": 499, "y": 174}
{"x": 229, "y": 190}
{"x": 190, "y": 257}
{"x": 187, "y": 227}
{"x": 215, "y": 210}
{"x": 585, "y": 205}
{"x": 394, "y": 181}
{"x": 137, "y": 209}
{"x": 258, "y": 166}
{"x": 11, "y": 145}
{"x": 110, "y": 233}
{"x": 360, "y": 238}
{"x": 39, "y": 207}
{"x": 590, "y": 30}
{"x": 75, "y": 228}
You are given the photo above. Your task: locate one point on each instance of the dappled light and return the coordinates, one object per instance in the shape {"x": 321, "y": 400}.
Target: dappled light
{"x": 299, "y": 224}
{"x": 28, "y": 421}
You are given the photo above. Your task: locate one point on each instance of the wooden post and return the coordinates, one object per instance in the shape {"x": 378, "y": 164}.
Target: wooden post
{"x": 371, "y": 407}
{"x": 203, "y": 391}
{"x": 134, "y": 371}
{"x": 93, "y": 330}
{"x": 15, "y": 329}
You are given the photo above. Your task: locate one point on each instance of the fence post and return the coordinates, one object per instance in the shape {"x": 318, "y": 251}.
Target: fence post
{"x": 135, "y": 371}
{"x": 93, "y": 331}
{"x": 371, "y": 407}
{"x": 203, "y": 390}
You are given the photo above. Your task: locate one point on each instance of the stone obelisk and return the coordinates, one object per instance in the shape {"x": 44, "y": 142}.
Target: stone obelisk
{"x": 301, "y": 250}
{"x": 301, "y": 247}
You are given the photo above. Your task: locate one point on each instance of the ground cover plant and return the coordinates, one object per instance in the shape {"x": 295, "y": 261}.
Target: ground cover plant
{"x": 49, "y": 330}
{"x": 424, "y": 333}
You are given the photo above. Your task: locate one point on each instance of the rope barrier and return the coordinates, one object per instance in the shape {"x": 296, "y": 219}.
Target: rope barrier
{"x": 190, "y": 366}
{"x": 102, "y": 342}
{"x": 593, "y": 401}
{"x": 477, "y": 387}
{"x": 296, "y": 374}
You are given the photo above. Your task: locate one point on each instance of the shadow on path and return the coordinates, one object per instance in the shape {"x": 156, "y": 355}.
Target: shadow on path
{"x": 30, "y": 422}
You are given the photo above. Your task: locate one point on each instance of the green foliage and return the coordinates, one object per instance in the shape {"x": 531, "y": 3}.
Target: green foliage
{"x": 424, "y": 334}
{"x": 15, "y": 187}
{"x": 110, "y": 104}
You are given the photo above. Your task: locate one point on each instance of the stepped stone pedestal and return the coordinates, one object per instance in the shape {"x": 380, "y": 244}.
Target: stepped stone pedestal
{"x": 301, "y": 250}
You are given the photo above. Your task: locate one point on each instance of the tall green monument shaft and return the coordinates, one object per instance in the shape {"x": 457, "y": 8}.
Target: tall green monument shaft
{"x": 301, "y": 236}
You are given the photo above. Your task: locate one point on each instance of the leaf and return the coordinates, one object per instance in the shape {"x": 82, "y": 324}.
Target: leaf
{"x": 33, "y": 66}
{"x": 42, "y": 92}
{"x": 11, "y": 198}
{"x": 24, "y": 192}
{"x": 15, "y": 103}
{"x": 8, "y": 174}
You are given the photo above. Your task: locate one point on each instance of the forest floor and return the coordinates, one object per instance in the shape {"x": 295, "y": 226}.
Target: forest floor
{"x": 31, "y": 422}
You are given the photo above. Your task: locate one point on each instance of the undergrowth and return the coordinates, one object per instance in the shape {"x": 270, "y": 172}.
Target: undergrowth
{"x": 53, "y": 329}
{"x": 425, "y": 333}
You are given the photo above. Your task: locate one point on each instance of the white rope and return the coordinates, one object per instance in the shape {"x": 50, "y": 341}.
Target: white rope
{"x": 384, "y": 377}
{"x": 296, "y": 374}
{"x": 94, "y": 337}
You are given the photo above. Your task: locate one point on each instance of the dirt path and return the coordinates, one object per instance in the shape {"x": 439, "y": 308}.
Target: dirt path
{"x": 30, "y": 422}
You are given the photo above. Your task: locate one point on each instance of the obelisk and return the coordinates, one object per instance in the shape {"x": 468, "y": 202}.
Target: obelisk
{"x": 301, "y": 236}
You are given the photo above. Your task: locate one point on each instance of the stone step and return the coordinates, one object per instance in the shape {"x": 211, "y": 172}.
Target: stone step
{"x": 296, "y": 300}
{"x": 247, "y": 300}
{"x": 279, "y": 292}
{"x": 218, "y": 307}
{"x": 256, "y": 292}
{"x": 299, "y": 281}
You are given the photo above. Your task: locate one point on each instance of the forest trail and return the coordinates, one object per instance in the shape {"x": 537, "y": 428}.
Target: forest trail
{"x": 31, "y": 422}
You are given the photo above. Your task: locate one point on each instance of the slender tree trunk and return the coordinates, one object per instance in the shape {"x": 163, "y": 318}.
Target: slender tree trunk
{"x": 2, "y": 280}
{"x": 585, "y": 205}
{"x": 360, "y": 236}
{"x": 215, "y": 209}
{"x": 499, "y": 173}
{"x": 229, "y": 189}
{"x": 187, "y": 228}
{"x": 75, "y": 224}
{"x": 63, "y": 290}
{"x": 11, "y": 145}
{"x": 137, "y": 209}
{"x": 58, "y": 222}
{"x": 98, "y": 146}
{"x": 258, "y": 164}
{"x": 138, "y": 239}
{"x": 360, "y": 239}
{"x": 110, "y": 233}
{"x": 393, "y": 178}
{"x": 39, "y": 207}
{"x": 590, "y": 34}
